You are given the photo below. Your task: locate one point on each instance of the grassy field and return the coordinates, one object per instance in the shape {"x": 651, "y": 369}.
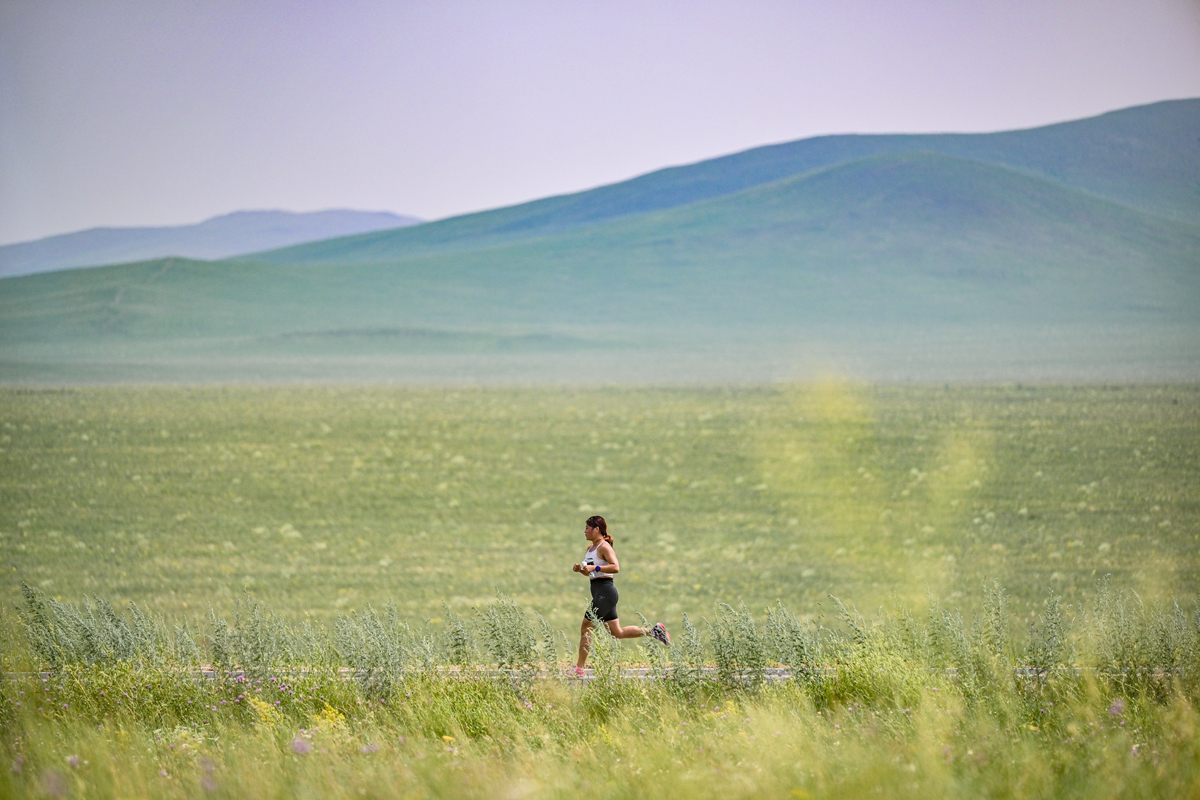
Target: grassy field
{"x": 326, "y": 501}
{"x": 321, "y": 500}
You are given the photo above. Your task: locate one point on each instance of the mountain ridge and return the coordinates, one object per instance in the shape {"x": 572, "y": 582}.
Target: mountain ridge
{"x": 218, "y": 237}
{"x": 848, "y": 242}
{"x": 1093, "y": 154}
{"x": 913, "y": 263}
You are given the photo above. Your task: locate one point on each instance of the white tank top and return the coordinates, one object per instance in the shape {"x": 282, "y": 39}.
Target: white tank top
{"x": 593, "y": 559}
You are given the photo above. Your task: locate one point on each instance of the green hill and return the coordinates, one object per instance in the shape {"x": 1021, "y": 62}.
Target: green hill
{"x": 919, "y": 243}
{"x": 1147, "y": 157}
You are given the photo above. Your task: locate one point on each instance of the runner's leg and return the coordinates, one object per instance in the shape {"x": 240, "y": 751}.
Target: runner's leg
{"x": 585, "y": 642}
{"x": 628, "y": 632}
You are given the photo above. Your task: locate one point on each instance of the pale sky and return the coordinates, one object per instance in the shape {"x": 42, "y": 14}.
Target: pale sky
{"x": 164, "y": 112}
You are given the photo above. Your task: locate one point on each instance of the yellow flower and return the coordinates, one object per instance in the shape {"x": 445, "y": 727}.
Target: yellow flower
{"x": 268, "y": 715}
{"x": 331, "y": 718}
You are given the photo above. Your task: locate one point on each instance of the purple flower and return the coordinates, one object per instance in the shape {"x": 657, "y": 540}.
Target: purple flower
{"x": 301, "y": 746}
{"x": 1117, "y": 708}
{"x": 368, "y": 748}
{"x": 73, "y": 761}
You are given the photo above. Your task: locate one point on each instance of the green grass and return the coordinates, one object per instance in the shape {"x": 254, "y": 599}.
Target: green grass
{"x": 775, "y": 744}
{"x": 871, "y": 710}
{"x": 323, "y": 501}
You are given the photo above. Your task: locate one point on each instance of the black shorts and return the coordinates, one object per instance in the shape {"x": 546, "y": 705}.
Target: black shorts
{"x": 604, "y": 599}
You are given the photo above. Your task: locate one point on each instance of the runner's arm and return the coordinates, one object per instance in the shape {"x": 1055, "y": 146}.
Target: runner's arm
{"x": 606, "y": 551}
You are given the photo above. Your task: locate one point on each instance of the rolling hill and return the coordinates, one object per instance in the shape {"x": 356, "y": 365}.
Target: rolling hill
{"x": 1147, "y": 157}
{"x": 962, "y": 267}
{"x": 219, "y": 237}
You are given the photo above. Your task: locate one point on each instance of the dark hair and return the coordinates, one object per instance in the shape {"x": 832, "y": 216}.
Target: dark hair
{"x": 598, "y": 522}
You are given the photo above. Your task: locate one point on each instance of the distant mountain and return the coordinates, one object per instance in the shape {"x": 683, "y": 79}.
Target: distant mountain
{"x": 219, "y": 237}
{"x": 946, "y": 249}
{"x": 1035, "y": 255}
{"x": 1147, "y": 157}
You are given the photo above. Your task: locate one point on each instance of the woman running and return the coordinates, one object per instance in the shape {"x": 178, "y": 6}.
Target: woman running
{"x": 600, "y": 565}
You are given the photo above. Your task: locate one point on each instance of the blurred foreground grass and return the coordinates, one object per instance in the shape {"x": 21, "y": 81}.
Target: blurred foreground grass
{"x": 904, "y": 706}
{"x": 546, "y": 744}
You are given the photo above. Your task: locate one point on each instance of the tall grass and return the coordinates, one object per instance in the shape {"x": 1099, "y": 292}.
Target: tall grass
{"x": 911, "y": 705}
{"x": 1128, "y": 644}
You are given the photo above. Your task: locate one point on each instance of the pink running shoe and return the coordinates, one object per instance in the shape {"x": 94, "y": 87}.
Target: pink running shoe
{"x": 659, "y": 632}
{"x": 577, "y": 672}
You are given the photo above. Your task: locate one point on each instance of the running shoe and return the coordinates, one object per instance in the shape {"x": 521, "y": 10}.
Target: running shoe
{"x": 659, "y": 632}
{"x": 576, "y": 672}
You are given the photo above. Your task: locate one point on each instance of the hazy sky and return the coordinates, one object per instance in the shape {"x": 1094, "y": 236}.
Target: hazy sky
{"x": 165, "y": 112}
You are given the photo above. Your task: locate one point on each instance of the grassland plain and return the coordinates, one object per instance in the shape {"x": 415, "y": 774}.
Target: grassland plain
{"x": 321, "y": 500}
